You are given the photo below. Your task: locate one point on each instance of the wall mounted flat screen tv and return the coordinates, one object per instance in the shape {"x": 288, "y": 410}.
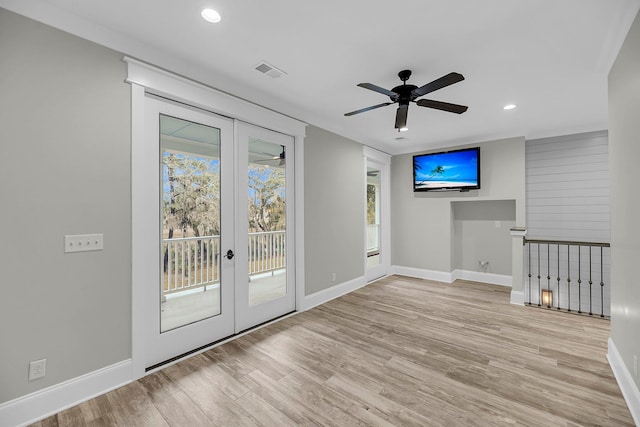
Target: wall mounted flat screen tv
{"x": 457, "y": 170}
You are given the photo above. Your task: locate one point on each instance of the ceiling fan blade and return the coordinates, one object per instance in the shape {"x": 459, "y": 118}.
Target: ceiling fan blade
{"x": 444, "y": 106}
{"x": 379, "y": 89}
{"x": 443, "y": 81}
{"x": 401, "y": 116}
{"x": 368, "y": 108}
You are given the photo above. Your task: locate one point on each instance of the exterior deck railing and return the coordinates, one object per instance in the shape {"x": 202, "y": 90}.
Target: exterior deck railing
{"x": 567, "y": 275}
{"x": 193, "y": 262}
{"x": 373, "y": 238}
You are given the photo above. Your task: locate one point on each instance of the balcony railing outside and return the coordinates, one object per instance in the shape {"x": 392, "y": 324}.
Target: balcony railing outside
{"x": 373, "y": 239}
{"x": 267, "y": 251}
{"x": 192, "y": 262}
{"x": 568, "y": 276}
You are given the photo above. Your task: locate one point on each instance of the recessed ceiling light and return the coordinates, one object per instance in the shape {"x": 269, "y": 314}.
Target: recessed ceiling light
{"x": 510, "y": 106}
{"x": 211, "y": 15}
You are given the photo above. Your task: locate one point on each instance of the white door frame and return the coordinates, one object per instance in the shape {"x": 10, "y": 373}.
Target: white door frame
{"x": 145, "y": 78}
{"x": 382, "y": 162}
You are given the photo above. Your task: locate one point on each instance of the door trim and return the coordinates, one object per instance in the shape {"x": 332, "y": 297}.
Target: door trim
{"x": 382, "y": 161}
{"x": 147, "y": 78}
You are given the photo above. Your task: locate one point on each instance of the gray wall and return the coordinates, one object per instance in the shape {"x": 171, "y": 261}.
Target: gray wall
{"x": 478, "y": 226}
{"x": 624, "y": 155}
{"x": 334, "y": 185}
{"x": 427, "y": 235}
{"x": 64, "y": 169}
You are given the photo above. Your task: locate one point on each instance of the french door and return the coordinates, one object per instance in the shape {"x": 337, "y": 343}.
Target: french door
{"x": 223, "y": 257}
{"x": 265, "y": 278}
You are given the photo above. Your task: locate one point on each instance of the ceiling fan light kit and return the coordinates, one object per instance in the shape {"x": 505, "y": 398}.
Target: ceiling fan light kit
{"x": 407, "y": 93}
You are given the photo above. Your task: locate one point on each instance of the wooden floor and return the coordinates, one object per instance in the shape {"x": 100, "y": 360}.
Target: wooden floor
{"x": 402, "y": 352}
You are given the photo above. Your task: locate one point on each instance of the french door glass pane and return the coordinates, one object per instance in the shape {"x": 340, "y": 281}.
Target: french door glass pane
{"x": 373, "y": 217}
{"x": 267, "y": 221}
{"x": 190, "y": 197}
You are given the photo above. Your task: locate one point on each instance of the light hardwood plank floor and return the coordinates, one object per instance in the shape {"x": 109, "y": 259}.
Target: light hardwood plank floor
{"x": 399, "y": 352}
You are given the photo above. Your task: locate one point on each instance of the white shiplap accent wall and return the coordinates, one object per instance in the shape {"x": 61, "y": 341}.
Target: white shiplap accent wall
{"x": 567, "y": 183}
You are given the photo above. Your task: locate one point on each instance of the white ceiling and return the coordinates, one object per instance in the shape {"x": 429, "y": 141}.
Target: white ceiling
{"x": 550, "y": 57}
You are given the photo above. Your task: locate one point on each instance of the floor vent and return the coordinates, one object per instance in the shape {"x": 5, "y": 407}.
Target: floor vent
{"x": 268, "y": 69}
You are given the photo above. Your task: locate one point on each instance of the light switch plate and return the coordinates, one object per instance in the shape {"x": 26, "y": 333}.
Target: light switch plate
{"x": 83, "y": 243}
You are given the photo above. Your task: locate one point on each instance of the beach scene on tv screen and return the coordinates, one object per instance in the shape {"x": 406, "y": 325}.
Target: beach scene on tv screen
{"x": 446, "y": 170}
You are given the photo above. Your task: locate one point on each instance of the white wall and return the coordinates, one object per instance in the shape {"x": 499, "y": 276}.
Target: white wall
{"x": 568, "y": 199}
{"x": 624, "y": 158}
{"x": 426, "y": 234}
{"x": 64, "y": 169}
{"x": 334, "y": 179}
{"x": 568, "y": 187}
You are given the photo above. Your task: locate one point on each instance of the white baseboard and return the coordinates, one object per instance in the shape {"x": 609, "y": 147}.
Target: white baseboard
{"x": 443, "y": 276}
{"x": 320, "y": 297}
{"x": 625, "y": 381}
{"x": 438, "y": 276}
{"x": 517, "y": 297}
{"x": 51, "y": 400}
{"x": 478, "y": 276}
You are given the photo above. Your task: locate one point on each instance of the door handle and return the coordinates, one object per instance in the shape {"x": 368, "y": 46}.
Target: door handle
{"x": 229, "y": 254}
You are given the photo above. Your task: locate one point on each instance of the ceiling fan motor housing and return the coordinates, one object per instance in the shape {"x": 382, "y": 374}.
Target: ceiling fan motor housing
{"x": 404, "y": 94}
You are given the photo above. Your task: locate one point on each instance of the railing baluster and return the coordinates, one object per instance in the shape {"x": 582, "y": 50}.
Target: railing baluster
{"x": 590, "y": 283}
{"x": 189, "y": 245}
{"x": 207, "y": 247}
{"x": 579, "y": 280}
{"x": 558, "y": 278}
{"x": 175, "y": 269}
{"x": 168, "y": 266}
{"x": 182, "y": 262}
{"x": 568, "y": 278}
{"x": 548, "y": 272}
{"x": 601, "y": 284}
{"x": 539, "y": 284}
{"x": 529, "y": 275}
{"x": 216, "y": 259}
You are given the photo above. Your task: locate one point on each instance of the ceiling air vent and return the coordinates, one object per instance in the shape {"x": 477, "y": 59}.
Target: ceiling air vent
{"x": 268, "y": 69}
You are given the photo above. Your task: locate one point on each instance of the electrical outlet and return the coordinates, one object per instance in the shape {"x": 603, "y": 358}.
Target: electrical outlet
{"x": 83, "y": 243}
{"x": 333, "y": 277}
{"x": 635, "y": 365}
{"x": 37, "y": 369}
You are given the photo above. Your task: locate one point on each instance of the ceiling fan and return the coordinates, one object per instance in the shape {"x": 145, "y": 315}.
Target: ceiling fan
{"x": 281, "y": 157}
{"x": 404, "y": 94}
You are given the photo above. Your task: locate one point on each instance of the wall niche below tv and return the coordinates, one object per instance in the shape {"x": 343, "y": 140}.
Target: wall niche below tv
{"x": 481, "y": 232}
